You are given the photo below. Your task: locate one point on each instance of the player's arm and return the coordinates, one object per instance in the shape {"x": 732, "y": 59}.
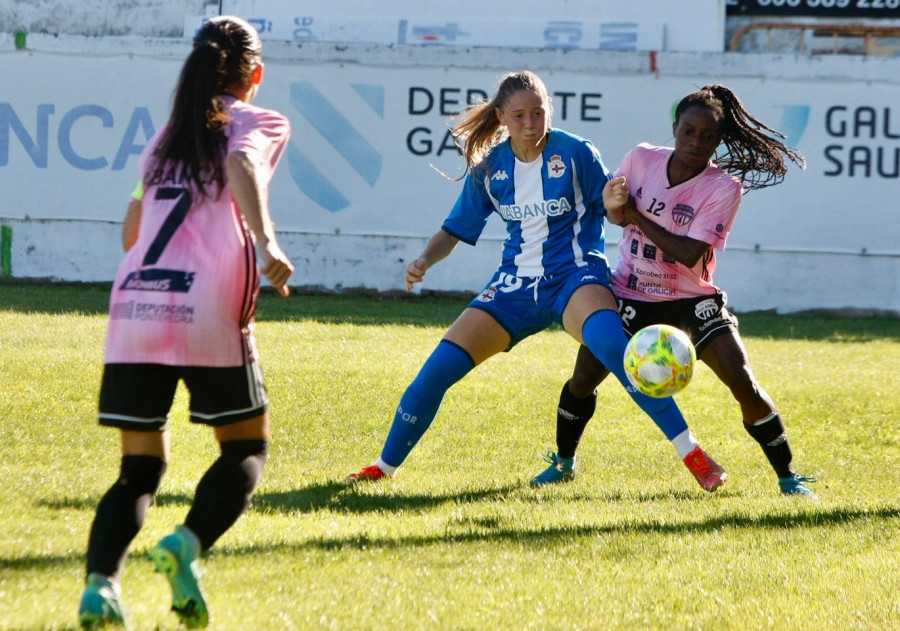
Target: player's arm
{"x": 685, "y": 250}
{"x": 132, "y": 220}
{"x": 622, "y": 210}
{"x": 251, "y": 199}
{"x": 439, "y": 246}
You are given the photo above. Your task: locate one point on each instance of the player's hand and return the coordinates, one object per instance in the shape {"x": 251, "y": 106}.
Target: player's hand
{"x": 415, "y": 273}
{"x": 277, "y": 268}
{"x": 615, "y": 194}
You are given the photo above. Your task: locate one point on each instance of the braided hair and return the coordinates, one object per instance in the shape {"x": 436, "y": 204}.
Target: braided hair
{"x": 192, "y": 147}
{"x": 753, "y": 152}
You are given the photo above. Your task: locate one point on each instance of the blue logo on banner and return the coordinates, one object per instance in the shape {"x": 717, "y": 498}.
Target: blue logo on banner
{"x": 340, "y": 133}
{"x": 794, "y": 119}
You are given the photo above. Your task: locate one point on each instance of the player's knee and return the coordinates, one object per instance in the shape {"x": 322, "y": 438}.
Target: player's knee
{"x": 588, "y": 374}
{"x": 141, "y": 474}
{"x": 245, "y": 459}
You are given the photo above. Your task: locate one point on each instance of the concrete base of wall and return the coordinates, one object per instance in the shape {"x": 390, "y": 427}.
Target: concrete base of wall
{"x": 755, "y": 280}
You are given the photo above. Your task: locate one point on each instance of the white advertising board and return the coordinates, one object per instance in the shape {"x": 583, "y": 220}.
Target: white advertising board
{"x": 369, "y": 144}
{"x": 568, "y": 24}
{"x": 552, "y": 34}
{"x": 360, "y": 188}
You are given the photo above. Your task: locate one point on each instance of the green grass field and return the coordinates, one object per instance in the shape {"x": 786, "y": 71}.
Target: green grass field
{"x": 458, "y": 540}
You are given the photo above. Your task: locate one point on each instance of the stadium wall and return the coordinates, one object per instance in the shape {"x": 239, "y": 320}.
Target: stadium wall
{"x": 361, "y": 187}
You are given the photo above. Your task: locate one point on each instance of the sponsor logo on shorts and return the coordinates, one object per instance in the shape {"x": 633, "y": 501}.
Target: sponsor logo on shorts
{"x": 683, "y": 214}
{"x": 556, "y": 167}
{"x": 487, "y": 295}
{"x": 500, "y": 175}
{"x": 706, "y": 309}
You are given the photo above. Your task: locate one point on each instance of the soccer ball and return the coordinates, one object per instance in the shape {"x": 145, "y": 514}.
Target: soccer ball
{"x": 659, "y": 360}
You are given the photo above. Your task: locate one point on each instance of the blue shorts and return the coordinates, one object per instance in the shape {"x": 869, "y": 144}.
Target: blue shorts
{"x": 526, "y": 305}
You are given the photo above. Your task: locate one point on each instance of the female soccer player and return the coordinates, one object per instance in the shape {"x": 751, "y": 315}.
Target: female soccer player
{"x": 182, "y": 307}
{"x": 548, "y": 186}
{"x": 678, "y": 208}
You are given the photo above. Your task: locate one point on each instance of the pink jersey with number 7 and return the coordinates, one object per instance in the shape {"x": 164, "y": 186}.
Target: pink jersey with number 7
{"x": 185, "y": 294}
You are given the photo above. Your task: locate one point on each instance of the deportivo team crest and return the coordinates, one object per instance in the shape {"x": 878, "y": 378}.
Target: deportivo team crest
{"x": 487, "y": 295}
{"x": 682, "y": 214}
{"x": 556, "y": 167}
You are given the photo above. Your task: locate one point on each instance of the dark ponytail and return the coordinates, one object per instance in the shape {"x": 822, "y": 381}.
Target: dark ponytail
{"x": 191, "y": 150}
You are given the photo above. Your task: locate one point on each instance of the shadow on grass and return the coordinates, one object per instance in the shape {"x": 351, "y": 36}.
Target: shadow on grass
{"x": 353, "y": 499}
{"x": 492, "y": 529}
{"x": 435, "y": 310}
{"x": 90, "y": 503}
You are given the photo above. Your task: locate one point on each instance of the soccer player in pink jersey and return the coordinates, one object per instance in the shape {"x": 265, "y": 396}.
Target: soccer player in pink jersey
{"x": 679, "y": 205}
{"x": 182, "y": 308}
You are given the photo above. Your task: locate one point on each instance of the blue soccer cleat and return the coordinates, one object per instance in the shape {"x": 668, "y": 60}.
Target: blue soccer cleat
{"x": 101, "y": 603}
{"x": 796, "y": 485}
{"x": 175, "y": 557}
{"x": 560, "y": 470}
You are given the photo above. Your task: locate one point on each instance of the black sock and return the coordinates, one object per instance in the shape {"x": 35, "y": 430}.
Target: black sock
{"x": 120, "y": 513}
{"x": 774, "y": 442}
{"x": 572, "y": 416}
{"x": 224, "y": 492}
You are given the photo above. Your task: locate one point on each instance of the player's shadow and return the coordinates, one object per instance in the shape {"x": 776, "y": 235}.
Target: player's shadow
{"x": 339, "y": 496}
{"x": 496, "y": 530}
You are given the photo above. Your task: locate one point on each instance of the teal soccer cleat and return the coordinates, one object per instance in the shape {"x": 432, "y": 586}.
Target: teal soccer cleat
{"x": 796, "y": 485}
{"x": 101, "y": 604}
{"x": 175, "y": 557}
{"x": 560, "y": 470}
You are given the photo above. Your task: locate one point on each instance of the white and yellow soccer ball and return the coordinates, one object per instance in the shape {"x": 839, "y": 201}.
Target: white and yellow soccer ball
{"x": 659, "y": 360}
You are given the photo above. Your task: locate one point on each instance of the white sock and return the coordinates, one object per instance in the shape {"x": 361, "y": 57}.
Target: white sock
{"x": 684, "y": 443}
{"x": 388, "y": 469}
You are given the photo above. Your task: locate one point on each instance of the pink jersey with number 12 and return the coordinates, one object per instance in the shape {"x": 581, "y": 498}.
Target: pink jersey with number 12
{"x": 702, "y": 208}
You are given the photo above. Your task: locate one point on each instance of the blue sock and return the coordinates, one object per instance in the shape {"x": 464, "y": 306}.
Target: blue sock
{"x": 447, "y": 364}
{"x": 603, "y": 335}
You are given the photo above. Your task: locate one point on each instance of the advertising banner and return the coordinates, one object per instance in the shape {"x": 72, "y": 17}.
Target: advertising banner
{"x": 874, "y": 9}
{"x": 371, "y": 152}
{"x": 553, "y": 34}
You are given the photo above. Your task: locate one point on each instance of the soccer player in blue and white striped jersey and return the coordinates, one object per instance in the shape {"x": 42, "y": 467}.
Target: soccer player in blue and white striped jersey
{"x": 549, "y": 187}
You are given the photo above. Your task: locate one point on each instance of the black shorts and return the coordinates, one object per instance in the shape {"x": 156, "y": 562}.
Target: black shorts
{"x": 139, "y": 396}
{"x": 703, "y": 318}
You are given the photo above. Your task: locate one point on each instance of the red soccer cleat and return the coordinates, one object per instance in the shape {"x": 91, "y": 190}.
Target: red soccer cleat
{"x": 710, "y": 475}
{"x": 368, "y": 474}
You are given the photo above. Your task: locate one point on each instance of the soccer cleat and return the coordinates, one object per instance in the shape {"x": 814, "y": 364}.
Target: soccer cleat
{"x": 101, "y": 603}
{"x": 710, "y": 475}
{"x": 371, "y": 473}
{"x": 175, "y": 557}
{"x": 560, "y": 470}
{"x": 796, "y": 485}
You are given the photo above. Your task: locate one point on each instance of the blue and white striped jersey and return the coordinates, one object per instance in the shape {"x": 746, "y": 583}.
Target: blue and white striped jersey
{"x": 553, "y": 207}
